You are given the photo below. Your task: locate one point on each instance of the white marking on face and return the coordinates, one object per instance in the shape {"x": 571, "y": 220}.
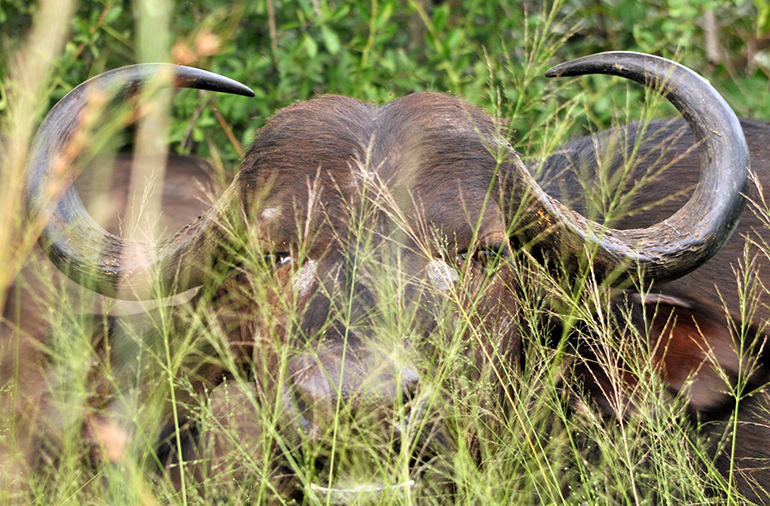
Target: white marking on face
{"x": 304, "y": 278}
{"x": 442, "y": 275}
{"x": 269, "y": 213}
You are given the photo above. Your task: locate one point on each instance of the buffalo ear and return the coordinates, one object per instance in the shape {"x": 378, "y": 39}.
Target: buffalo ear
{"x": 696, "y": 348}
{"x": 693, "y": 347}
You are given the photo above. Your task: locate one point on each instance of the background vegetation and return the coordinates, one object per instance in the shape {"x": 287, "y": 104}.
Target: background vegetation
{"x": 492, "y": 54}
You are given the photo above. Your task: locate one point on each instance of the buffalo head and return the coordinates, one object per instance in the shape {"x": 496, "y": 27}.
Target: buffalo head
{"x": 386, "y": 233}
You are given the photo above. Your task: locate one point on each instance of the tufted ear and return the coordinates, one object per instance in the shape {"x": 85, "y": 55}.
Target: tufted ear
{"x": 694, "y": 346}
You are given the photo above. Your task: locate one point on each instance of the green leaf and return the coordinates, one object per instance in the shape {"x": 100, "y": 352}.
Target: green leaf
{"x": 331, "y": 41}
{"x": 113, "y": 14}
{"x": 311, "y": 46}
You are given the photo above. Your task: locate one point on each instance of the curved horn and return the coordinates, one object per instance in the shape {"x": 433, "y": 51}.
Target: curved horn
{"x": 82, "y": 249}
{"x": 683, "y": 242}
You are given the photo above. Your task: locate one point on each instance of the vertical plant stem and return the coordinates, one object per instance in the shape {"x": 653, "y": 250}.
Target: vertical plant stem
{"x": 28, "y": 83}
{"x": 153, "y": 18}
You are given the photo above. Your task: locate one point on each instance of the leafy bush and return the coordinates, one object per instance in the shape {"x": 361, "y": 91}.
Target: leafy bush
{"x": 384, "y": 49}
{"x": 492, "y": 54}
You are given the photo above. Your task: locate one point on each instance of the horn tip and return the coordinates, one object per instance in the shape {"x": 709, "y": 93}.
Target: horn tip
{"x": 566, "y": 69}
{"x": 190, "y": 77}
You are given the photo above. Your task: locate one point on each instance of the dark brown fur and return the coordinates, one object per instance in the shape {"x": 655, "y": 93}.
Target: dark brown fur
{"x": 698, "y": 323}
{"x": 419, "y": 177}
{"x": 41, "y": 292}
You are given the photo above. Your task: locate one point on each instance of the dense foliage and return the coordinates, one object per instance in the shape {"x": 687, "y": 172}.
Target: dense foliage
{"x": 491, "y": 53}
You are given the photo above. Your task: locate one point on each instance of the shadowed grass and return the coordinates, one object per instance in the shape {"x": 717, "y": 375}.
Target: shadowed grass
{"x": 496, "y": 431}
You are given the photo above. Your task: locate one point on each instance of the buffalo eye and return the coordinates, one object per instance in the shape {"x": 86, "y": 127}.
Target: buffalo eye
{"x": 486, "y": 258}
{"x": 276, "y": 260}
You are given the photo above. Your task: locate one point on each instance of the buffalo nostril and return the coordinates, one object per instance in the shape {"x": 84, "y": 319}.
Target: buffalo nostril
{"x": 296, "y": 406}
{"x": 410, "y": 381}
{"x": 300, "y": 400}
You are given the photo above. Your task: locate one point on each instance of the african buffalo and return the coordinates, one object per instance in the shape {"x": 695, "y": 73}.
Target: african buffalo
{"x": 357, "y": 241}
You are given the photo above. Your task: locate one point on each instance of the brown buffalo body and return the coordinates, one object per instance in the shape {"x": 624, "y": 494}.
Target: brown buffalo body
{"x": 358, "y": 242}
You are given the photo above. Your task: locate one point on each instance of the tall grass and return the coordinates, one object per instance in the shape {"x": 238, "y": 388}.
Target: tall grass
{"x": 495, "y": 430}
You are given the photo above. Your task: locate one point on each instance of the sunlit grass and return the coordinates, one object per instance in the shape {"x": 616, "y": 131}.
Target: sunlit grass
{"x": 510, "y": 432}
